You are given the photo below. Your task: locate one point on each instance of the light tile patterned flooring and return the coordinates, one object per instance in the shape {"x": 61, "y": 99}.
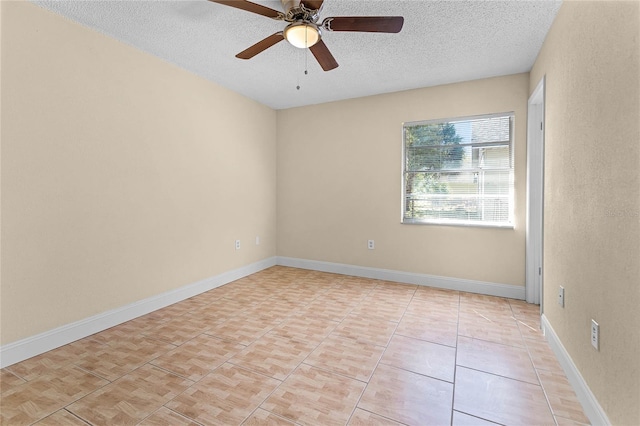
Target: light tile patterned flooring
{"x": 288, "y": 346}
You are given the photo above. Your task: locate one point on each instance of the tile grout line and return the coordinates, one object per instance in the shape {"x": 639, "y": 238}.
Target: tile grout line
{"x": 544, "y": 391}
{"x": 259, "y": 406}
{"x": 455, "y": 360}
{"x": 373, "y": 371}
{"x": 367, "y": 382}
{"x": 221, "y": 364}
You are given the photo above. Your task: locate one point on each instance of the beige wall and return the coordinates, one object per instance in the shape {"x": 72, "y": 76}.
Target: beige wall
{"x": 592, "y": 194}
{"x": 123, "y": 177}
{"x": 339, "y": 177}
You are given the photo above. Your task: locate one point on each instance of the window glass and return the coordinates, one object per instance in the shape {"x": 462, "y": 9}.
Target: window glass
{"x": 459, "y": 171}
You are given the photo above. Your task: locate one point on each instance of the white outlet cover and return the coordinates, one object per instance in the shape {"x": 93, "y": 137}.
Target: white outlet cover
{"x": 561, "y": 296}
{"x": 595, "y": 335}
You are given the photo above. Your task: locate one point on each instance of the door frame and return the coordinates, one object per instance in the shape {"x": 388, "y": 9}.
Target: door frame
{"x": 535, "y": 196}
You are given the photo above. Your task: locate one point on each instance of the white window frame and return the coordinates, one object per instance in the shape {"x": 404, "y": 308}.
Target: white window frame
{"x": 510, "y": 224}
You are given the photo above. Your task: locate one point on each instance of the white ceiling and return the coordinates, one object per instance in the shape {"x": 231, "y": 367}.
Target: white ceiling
{"x": 441, "y": 42}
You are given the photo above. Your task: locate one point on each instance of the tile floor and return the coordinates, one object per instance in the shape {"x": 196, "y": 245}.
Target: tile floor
{"x": 288, "y": 346}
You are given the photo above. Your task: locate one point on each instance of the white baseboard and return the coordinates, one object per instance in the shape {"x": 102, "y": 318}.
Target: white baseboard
{"x": 43, "y": 342}
{"x": 35, "y": 345}
{"x": 471, "y": 286}
{"x": 590, "y": 405}
{"x": 52, "y": 339}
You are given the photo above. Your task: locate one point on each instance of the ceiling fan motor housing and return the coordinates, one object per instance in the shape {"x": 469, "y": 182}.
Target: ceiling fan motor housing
{"x": 289, "y": 4}
{"x": 295, "y": 11}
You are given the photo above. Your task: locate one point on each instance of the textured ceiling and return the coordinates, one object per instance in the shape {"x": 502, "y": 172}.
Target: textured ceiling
{"x": 441, "y": 42}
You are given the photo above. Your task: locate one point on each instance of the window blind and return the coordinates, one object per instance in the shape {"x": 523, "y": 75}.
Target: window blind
{"x": 459, "y": 171}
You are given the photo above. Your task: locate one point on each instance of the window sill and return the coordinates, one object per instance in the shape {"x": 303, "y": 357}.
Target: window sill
{"x": 497, "y": 225}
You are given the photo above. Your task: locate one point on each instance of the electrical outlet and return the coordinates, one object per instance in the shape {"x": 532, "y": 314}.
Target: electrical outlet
{"x": 561, "y": 296}
{"x": 371, "y": 244}
{"x": 237, "y": 244}
{"x": 595, "y": 335}
{"x": 257, "y": 240}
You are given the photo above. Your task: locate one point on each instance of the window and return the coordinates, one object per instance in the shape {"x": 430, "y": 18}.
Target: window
{"x": 459, "y": 171}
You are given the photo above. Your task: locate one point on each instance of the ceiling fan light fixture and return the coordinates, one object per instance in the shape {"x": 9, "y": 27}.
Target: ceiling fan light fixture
{"x": 302, "y": 34}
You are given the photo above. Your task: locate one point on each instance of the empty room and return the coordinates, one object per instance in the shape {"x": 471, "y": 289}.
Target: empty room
{"x": 320, "y": 212}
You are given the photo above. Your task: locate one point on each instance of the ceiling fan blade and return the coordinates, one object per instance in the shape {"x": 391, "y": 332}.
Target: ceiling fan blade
{"x": 312, "y": 4}
{"x": 251, "y": 7}
{"x": 371, "y": 24}
{"x": 260, "y": 46}
{"x": 324, "y": 57}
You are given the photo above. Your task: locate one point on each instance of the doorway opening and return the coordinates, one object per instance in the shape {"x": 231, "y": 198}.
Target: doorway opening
{"x": 535, "y": 196}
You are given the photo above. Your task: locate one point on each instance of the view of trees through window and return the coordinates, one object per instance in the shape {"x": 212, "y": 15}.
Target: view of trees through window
{"x": 459, "y": 171}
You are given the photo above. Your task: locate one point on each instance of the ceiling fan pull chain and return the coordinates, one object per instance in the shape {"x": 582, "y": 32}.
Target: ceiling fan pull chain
{"x": 298, "y": 77}
{"x": 306, "y": 62}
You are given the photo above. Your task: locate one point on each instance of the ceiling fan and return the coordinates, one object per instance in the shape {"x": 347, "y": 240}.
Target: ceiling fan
{"x": 304, "y": 30}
